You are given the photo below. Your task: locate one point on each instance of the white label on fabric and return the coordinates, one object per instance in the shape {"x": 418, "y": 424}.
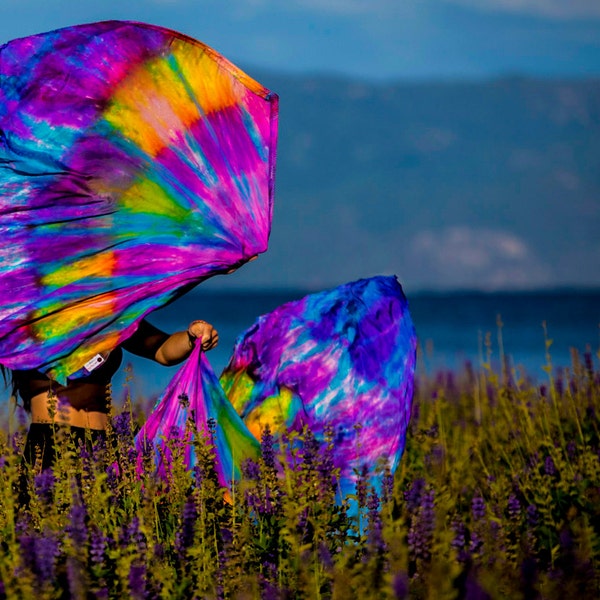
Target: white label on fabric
{"x": 94, "y": 363}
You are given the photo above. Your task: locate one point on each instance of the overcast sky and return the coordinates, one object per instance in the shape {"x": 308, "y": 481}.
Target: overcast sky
{"x": 369, "y": 39}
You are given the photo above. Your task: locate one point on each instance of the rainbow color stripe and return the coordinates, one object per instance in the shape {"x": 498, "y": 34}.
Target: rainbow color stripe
{"x": 135, "y": 162}
{"x": 342, "y": 359}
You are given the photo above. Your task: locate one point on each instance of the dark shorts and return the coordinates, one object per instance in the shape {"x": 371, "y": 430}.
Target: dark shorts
{"x": 41, "y": 441}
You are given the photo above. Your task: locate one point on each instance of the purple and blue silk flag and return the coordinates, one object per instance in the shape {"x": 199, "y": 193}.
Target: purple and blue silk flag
{"x": 342, "y": 360}
{"x": 135, "y": 162}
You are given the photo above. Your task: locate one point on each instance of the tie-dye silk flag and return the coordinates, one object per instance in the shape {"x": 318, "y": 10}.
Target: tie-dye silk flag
{"x": 194, "y": 396}
{"x": 135, "y": 162}
{"x": 342, "y": 359}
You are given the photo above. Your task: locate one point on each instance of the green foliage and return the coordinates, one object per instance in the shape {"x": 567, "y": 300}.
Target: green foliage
{"x": 497, "y": 495}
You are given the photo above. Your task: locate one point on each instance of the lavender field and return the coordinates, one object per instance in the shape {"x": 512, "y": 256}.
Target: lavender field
{"x": 497, "y": 496}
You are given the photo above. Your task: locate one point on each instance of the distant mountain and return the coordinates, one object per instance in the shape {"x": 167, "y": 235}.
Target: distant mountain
{"x": 489, "y": 185}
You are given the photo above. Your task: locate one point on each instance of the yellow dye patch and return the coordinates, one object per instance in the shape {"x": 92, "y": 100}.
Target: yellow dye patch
{"x": 237, "y": 389}
{"x": 272, "y": 412}
{"x": 247, "y": 81}
{"x": 152, "y": 107}
{"x": 75, "y": 361}
{"x": 67, "y": 321}
{"x": 211, "y": 84}
{"x": 97, "y": 266}
{"x": 129, "y": 121}
{"x": 146, "y": 196}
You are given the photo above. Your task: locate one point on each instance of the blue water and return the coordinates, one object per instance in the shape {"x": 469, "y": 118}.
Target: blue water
{"x": 450, "y": 327}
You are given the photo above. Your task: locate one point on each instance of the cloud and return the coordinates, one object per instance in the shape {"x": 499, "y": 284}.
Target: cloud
{"x": 483, "y": 258}
{"x": 556, "y": 9}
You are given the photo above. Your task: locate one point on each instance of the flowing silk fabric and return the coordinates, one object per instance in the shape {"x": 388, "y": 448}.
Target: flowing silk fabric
{"x": 194, "y": 394}
{"x": 135, "y": 162}
{"x": 343, "y": 358}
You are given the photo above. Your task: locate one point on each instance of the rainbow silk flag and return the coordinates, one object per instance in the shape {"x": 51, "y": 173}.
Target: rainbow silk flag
{"x": 135, "y": 162}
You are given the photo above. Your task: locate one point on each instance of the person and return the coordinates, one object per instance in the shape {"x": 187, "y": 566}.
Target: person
{"x": 83, "y": 404}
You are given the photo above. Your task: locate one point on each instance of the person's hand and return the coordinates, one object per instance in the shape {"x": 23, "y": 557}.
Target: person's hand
{"x": 204, "y": 330}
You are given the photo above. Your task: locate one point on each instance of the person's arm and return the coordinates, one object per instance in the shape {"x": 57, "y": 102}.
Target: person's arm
{"x": 150, "y": 342}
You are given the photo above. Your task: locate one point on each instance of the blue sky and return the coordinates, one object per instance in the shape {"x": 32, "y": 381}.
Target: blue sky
{"x": 368, "y": 39}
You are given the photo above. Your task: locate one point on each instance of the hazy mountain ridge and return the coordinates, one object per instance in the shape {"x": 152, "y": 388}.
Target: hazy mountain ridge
{"x": 492, "y": 184}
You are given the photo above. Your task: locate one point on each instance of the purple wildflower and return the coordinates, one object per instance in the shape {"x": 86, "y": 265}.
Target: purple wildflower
{"x": 97, "y": 546}
{"x": 98, "y": 448}
{"x": 476, "y": 543}
{"x": 325, "y": 464}
{"x": 549, "y": 467}
{"x": 44, "y": 485}
{"x": 18, "y": 441}
{"x": 159, "y": 550}
{"x": 435, "y": 457}
{"x": 131, "y": 535}
{"x": 490, "y": 391}
{"x": 571, "y": 449}
{"x": 76, "y": 527}
{"x": 122, "y": 424}
{"x": 137, "y": 581}
{"x": 533, "y": 460}
{"x": 459, "y": 542}
{"x": 112, "y": 479}
{"x": 267, "y": 579}
{"x": 47, "y": 551}
{"x": 361, "y": 486}
{"x": 478, "y": 508}
{"x": 559, "y": 385}
{"x": 211, "y": 424}
{"x": 101, "y": 594}
{"x": 266, "y": 446}
{"x": 83, "y": 450}
{"x": 185, "y": 536}
{"x": 420, "y": 534}
{"x": 433, "y": 431}
{"x": 184, "y": 401}
{"x": 514, "y": 507}
{"x": 267, "y": 507}
{"x": 415, "y": 412}
{"x": 310, "y": 451}
{"x": 302, "y": 520}
{"x": 251, "y": 470}
{"x": 375, "y": 526}
{"x": 413, "y": 495}
{"x": 387, "y": 485}
{"x": 400, "y": 585}
{"x": 573, "y": 387}
{"x": 27, "y": 550}
{"x": 325, "y": 557}
{"x": 132, "y": 455}
{"x": 75, "y": 577}
{"x": 532, "y": 515}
